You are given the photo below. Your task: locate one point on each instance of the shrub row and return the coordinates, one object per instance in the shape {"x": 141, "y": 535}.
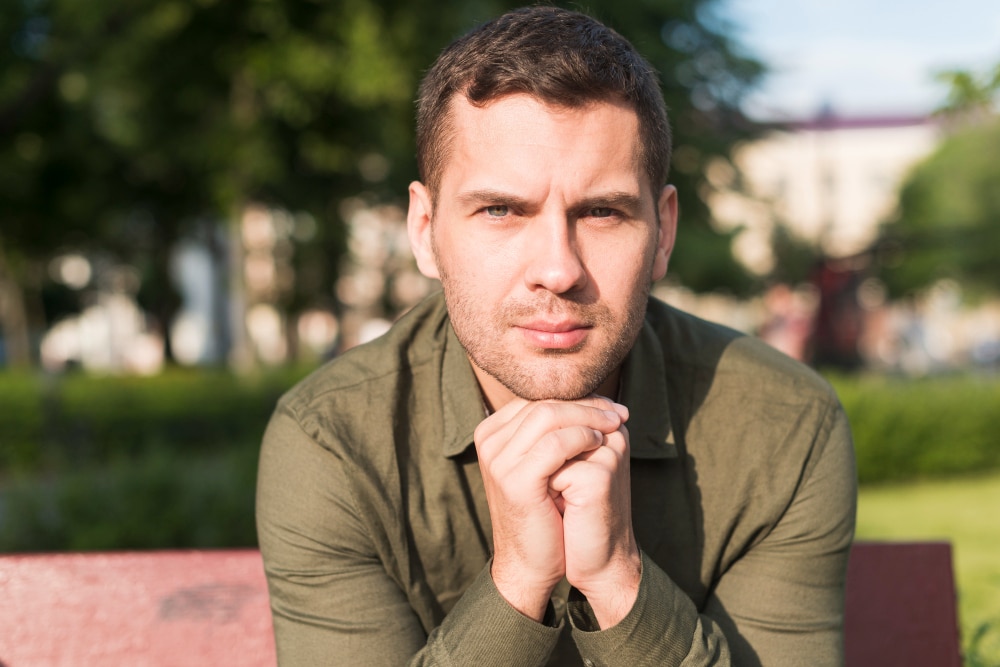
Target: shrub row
{"x": 157, "y": 501}
{"x": 51, "y": 422}
{"x": 90, "y": 463}
{"x": 903, "y": 429}
{"x": 170, "y": 462}
{"x": 921, "y": 429}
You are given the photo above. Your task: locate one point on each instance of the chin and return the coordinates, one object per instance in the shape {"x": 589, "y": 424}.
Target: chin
{"x": 550, "y": 387}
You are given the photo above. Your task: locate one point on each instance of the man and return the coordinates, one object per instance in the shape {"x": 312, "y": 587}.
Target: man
{"x": 544, "y": 465}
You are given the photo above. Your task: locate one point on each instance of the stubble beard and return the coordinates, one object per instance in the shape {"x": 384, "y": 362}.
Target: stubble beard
{"x": 568, "y": 374}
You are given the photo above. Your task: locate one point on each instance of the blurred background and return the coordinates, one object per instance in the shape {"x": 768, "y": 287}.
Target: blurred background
{"x": 201, "y": 201}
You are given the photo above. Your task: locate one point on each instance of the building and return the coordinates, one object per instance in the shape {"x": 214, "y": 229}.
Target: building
{"x": 830, "y": 181}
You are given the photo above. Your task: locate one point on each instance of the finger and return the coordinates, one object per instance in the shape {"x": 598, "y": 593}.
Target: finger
{"x": 554, "y": 449}
{"x": 611, "y": 456}
{"x": 592, "y": 474}
{"x": 618, "y": 441}
{"x": 533, "y": 421}
{"x": 516, "y": 410}
{"x": 621, "y": 409}
{"x": 499, "y": 419}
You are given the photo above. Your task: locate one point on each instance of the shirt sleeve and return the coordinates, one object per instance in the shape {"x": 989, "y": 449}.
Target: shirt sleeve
{"x": 781, "y": 603}
{"x": 333, "y": 600}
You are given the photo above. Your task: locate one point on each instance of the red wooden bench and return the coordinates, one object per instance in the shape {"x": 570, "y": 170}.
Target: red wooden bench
{"x": 131, "y": 609}
{"x": 190, "y": 608}
{"x": 900, "y": 607}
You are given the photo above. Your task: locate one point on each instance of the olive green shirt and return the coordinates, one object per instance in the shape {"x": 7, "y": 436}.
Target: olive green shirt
{"x": 376, "y": 534}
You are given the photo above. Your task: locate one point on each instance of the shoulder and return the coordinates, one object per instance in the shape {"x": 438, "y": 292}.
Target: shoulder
{"x": 363, "y": 384}
{"x": 707, "y": 353}
{"x": 753, "y": 427}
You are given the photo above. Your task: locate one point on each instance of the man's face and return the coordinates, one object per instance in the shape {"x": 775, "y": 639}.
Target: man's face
{"x": 546, "y": 237}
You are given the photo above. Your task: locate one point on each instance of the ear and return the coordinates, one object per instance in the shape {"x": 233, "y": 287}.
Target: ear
{"x": 418, "y": 227}
{"x": 667, "y": 207}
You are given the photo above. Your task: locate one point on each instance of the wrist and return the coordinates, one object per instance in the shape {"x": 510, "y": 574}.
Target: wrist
{"x": 612, "y": 595}
{"x": 530, "y": 599}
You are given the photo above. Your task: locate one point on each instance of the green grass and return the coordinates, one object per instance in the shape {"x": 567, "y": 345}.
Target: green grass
{"x": 963, "y": 511}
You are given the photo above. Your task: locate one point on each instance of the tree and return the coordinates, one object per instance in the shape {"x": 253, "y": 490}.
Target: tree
{"x": 948, "y": 214}
{"x": 128, "y": 125}
{"x": 949, "y": 207}
{"x": 970, "y": 95}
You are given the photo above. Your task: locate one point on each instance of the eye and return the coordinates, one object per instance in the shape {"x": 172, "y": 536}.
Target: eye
{"x": 497, "y": 211}
{"x": 602, "y": 212}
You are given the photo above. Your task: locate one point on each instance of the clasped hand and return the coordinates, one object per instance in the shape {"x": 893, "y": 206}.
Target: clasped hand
{"x": 556, "y": 475}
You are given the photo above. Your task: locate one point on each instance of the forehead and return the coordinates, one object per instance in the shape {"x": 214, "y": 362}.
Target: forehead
{"x": 519, "y": 137}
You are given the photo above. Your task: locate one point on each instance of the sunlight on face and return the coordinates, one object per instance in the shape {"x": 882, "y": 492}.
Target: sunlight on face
{"x": 546, "y": 237}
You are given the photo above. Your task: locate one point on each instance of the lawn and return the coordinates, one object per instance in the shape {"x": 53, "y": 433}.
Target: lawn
{"x": 966, "y": 512}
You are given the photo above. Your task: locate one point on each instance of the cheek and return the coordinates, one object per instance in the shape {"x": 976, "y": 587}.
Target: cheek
{"x": 621, "y": 267}
{"x": 477, "y": 262}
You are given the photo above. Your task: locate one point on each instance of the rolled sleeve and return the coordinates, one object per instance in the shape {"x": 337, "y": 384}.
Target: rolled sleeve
{"x": 662, "y": 628}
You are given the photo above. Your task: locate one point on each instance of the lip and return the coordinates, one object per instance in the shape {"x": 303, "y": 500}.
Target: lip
{"x": 560, "y": 335}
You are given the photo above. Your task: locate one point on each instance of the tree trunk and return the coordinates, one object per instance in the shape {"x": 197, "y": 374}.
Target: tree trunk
{"x": 16, "y": 336}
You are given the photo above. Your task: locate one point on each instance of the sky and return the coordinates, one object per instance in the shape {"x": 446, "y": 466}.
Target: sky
{"x": 862, "y": 57}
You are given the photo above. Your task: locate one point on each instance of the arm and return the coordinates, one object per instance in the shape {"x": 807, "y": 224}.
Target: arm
{"x": 557, "y": 485}
{"x": 333, "y": 599}
{"x": 781, "y": 603}
{"x": 784, "y": 600}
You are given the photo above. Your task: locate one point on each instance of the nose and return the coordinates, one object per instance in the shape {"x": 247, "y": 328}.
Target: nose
{"x": 554, "y": 260}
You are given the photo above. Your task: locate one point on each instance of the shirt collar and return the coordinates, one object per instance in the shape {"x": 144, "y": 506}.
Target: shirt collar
{"x": 644, "y": 392}
{"x": 461, "y": 399}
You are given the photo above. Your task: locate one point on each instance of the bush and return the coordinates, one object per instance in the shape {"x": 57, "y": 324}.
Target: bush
{"x": 132, "y": 463}
{"x": 21, "y": 422}
{"x": 170, "y": 461}
{"x": 78, "y": 419}
{"x": 920, "y": 429}
{"x": 158, "y": 501}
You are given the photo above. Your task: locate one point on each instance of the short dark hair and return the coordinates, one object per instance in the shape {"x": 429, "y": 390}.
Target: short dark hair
{"x": 558, "y": 56}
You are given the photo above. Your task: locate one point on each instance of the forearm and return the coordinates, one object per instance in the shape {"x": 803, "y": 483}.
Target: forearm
{"x": 483, "y": 629}
{"x": 779, "y": 603}
{"x": 338, "y": 595}
{"x": 662, "y": 628}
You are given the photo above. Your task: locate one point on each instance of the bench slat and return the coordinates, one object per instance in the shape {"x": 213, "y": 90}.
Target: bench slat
{"x": 155, "y": 609}
{"x": 900, "y": 606}
{"x": 183, "y": 608}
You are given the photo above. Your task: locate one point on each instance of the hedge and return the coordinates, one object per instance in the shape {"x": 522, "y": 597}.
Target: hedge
{"x": 922, "y": 429}
{"x": 170, "y": 461}
{"x": 132, "y": 463}
{"x": 54, "y": 422}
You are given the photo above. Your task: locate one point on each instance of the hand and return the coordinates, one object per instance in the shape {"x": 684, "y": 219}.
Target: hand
{"x": 593, "y": 493}
{"x": 520, "y": 448}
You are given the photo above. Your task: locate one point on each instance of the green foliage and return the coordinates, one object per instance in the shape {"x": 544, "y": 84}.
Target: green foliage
{"x": 130, "y": 124}
{"x": 949, "y": 205}
{"x": 79, "y": 419}
{"x": 162, "y": 499}
{"x": 124, "y": 462}
{"x": 928, "y": 428}
{"x": 795, "y": 259}
{"x": 169, "y": 461}
{"x": 970, "y": 93}
{"x": 21, "y": 420}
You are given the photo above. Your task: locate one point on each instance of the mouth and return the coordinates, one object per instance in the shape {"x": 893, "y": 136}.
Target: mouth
{"x": 554, "y": 335}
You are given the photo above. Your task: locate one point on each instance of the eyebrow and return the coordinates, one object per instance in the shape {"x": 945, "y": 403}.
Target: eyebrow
{"x": 628, "y": 202}
{"x": 487, "y": 196}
